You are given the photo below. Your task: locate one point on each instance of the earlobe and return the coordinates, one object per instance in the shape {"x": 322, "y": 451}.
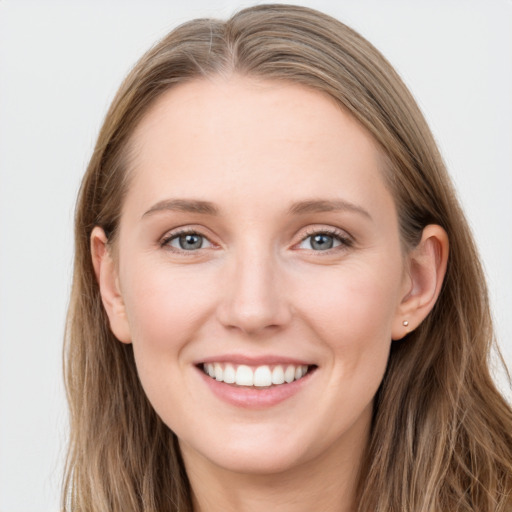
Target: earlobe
{"x": 108, "y": 281}
{"x": 427, "y": 264}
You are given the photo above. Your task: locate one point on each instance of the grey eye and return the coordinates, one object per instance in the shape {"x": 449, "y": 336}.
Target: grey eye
{"x": 320, "y": 242}
{"x": 189, "y": 242}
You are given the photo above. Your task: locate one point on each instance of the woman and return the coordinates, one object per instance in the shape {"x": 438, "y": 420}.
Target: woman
{"x": 277, "y": 302}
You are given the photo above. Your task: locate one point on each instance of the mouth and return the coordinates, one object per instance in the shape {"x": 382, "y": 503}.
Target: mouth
{"x": 263, "y": 376}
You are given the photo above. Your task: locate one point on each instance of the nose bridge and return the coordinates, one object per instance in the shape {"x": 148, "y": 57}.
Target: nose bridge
{"x": 253, "y": 298}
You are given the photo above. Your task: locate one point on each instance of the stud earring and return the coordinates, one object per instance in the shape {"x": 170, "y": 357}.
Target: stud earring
{"x": 405, "y": 323}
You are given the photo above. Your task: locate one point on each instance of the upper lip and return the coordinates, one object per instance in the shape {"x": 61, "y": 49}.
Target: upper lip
{"x": 254, "y": 360}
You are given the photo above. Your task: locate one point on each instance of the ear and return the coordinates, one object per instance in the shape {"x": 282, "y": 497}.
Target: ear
{"x": 108, "y": 281}
{"x": 426, "y": 270}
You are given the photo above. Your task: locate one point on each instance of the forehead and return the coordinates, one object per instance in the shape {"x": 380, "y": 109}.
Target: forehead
{"x": 245, "y": 138}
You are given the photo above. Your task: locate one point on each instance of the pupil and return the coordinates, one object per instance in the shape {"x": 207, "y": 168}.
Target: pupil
{"x": 191, "y": 241}
{"x": 322, "y": 242}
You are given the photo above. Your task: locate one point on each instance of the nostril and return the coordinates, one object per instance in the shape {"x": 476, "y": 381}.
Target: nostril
{"x": 253, "y": 318}
{"x": 253, "y": 299}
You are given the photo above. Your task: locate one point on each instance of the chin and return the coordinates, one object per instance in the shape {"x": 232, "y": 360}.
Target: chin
{"x": 258, "y": 462}
{"x": 255, "y": 451}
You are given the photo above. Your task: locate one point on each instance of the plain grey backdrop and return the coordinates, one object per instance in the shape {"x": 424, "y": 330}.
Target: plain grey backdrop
{"x": 60, "y": 65}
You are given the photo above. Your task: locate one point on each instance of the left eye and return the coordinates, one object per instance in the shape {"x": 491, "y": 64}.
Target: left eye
{"x": 320, "y": 242}
{"x": 188, "y": 242}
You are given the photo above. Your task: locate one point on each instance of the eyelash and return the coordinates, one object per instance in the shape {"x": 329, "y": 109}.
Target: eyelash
{"x": 177, "y": 234}
{"x": 341, "y": 236}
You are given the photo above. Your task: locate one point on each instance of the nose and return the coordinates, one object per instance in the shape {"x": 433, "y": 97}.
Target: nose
{"x": 253, "y": 299}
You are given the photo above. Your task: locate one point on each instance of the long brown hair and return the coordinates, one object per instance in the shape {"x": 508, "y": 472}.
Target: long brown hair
{"x": 441, "y": 437}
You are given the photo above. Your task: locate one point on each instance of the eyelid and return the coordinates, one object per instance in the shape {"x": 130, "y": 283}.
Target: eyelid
{"x": 346, "y": 240}
{"x": 181, "y": 231}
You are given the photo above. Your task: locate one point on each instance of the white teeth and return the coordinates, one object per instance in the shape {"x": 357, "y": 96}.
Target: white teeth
{"x": 261, "y": 376}
{"x": 289, "y": 374}
{"x": 244, "y": 376}
{"x": 229, "y": 374}
{"x": 300, "y": 371}
{"x": 278, "y": 375}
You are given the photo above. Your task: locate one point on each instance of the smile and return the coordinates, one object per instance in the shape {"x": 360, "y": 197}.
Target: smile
{"x": 255, "y": 376}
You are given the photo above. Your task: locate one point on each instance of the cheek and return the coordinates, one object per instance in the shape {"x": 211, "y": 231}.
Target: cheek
{"x": 352, "y": 311}
{"x": 165, "y": 308}
{"x": 355, "y": 297}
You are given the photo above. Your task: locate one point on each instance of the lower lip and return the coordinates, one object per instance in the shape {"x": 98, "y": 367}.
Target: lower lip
{"x": 253, "y": 397}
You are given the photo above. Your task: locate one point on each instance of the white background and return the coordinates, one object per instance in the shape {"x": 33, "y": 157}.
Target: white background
{"x": 60, "y": 65}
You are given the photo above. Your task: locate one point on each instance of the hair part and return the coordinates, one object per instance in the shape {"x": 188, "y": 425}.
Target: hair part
{"x": 441, "y": 437}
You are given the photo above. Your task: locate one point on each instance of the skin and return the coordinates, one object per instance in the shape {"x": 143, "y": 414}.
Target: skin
{"x": 257, "y": 287}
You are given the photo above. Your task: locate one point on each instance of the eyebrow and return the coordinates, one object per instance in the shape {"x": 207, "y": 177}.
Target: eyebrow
{"x": 297, "y": 208}
{"x": 184, "y": 205}
{"x": 323, "y": 205}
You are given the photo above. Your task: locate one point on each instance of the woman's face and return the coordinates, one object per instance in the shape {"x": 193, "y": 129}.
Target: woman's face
{"x": 257, "y": 242}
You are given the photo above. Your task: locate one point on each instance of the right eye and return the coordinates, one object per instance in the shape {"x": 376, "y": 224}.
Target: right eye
{"x": 187, "y": 241}
{"x": 321, "y": 242}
